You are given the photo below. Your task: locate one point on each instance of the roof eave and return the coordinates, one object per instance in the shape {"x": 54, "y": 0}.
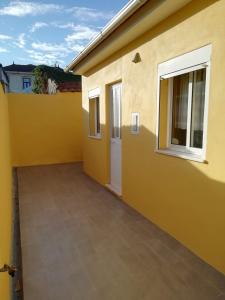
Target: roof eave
{"x": 121, "y": 17}
{"x": 160, "y": 11}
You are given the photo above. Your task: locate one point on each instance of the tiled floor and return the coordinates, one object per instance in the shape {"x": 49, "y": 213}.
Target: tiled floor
{"x": 80, "y": 242}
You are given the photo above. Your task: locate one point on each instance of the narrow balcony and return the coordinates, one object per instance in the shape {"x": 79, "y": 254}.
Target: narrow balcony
{"x": 81, "y": 242}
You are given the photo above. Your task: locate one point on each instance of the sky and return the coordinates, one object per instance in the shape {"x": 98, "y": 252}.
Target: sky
{"x": 50, "y": 31}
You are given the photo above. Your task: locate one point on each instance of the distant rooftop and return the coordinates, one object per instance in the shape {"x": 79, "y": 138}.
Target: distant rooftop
{"x": 20, "y": 68}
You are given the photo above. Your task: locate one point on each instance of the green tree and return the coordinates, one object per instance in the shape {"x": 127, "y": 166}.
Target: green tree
{"x": 40, "y": 80}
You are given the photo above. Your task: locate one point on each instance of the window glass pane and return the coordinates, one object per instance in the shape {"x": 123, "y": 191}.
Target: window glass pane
{"x": 180, "y": 109}
{"x": 198, "y": 104}
{"x": 92, "y": 117}
{"x": 97, "y": 116}
{"x": 26, "y": 82}
{"x": 116, "y": 113}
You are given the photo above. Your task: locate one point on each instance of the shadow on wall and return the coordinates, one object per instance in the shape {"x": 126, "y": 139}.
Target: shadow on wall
{"x": 185, "y": 198}
{"x": 181, "y": 197}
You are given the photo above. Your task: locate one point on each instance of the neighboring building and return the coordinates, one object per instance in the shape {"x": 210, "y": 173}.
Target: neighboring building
{"x": 4, "y": 79}
{"x": 20, "y": 78}
{"x": 63, "y": 87}
{"x": 51, "y": 80}
{"x": 154, "y": 116}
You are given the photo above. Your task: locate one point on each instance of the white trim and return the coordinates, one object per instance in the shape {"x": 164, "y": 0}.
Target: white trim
{"x": 179, "y": 154}
{"x": 113, "y": 189}
{"x": 158, "y": 113}
{"x": 169, "y": 114}
{"x": 185, "y": 61}
{"x": 187, "y": 151}
{"x": 184, "y": 71}
{"x": 206, "y": 111}
{"x": 94, "y": 93}
{"x": 95, "y": 137}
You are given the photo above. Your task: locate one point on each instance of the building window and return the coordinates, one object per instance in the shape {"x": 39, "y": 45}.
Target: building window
{"x": 94, "y": 117}
{"x": 187, "y": 109}
{"x": 183, "y": 105}
{"x": 26, "y": 83}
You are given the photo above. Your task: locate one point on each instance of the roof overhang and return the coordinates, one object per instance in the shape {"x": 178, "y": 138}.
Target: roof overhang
{"x": 19, "y": 73}
{"x": 136, "y": 18}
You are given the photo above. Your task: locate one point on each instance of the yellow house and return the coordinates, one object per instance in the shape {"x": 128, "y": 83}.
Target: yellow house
{"x": 153, "y": 116}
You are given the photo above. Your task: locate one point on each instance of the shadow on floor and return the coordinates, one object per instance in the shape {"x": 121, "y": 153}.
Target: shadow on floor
{"x": 80, "y": 242}
{"x": 17, "y": 283}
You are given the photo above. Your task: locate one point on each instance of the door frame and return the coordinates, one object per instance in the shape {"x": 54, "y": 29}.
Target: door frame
{"x": 109, "y": 132}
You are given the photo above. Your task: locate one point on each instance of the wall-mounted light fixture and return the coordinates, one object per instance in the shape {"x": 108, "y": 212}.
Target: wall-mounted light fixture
{"x": 137, "y": 58}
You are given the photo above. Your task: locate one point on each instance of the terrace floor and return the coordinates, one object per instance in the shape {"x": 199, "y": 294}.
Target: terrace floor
{"x": 80, "y": 242}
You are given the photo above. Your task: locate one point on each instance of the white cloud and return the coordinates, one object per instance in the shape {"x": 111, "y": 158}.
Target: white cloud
{"x": 22, "y": 8}
{"x": 77, "y": 48}
{"x": 46, "y": 59}
{"x": 47, "y": 47}
{"x": 81, "y": 33}
{"x": 79, "y": 38}
{"x": 20, "y": 42}
{"x": 37, "y": 26}
{"x": 4, "y": 37}
{"x": 63, "y": 26}
{"x": 85, "y": 13}
{"x": 43, "y": 52}
{"x": 3, "y": 50}
{"x": 47, "y": 53}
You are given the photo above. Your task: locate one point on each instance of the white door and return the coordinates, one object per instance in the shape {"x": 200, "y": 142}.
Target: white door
{"x": 115, "y": 138}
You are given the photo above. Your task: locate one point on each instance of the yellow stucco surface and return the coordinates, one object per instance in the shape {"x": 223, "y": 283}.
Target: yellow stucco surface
{"x": 5, "y": 196}
{"x": 45, "y": 129}
{"x": 185, "y": 198}
{"x": 34, "y": 130}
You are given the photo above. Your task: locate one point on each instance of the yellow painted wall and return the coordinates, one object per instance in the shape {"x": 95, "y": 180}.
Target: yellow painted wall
{"x": 185, "y": 198}
{"x": 34, "y": 130}
{"x": 45, "y": 129}
{"x": 5, "y": 196}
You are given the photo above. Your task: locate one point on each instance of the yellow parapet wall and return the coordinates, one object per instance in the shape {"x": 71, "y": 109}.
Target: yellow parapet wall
{"x": 34, "y": 130}
{"x": 5, "y": 197}
{"x": 45, "y": 129}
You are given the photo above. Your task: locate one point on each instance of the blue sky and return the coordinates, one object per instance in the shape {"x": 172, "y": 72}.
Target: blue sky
{"x": 50, "y": 31}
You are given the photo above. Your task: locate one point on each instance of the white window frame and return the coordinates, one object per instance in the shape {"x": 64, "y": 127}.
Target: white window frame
{"x": 92, "y": 96}
{"x": 23, "y": 81}
{"x": 187, "y": 63}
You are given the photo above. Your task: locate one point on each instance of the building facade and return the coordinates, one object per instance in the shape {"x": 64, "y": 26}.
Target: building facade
{"x": 4, "y": 79}
{"x": 153, "y": 117}
{"x": 20, "y": 78}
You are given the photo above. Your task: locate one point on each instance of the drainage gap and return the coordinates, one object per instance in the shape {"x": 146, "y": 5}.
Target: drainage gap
{"x": 17, "y": 283}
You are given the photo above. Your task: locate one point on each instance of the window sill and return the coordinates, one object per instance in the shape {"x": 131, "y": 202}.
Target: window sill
{"x": 95, "y": 137}
{"x": 180, "y": 154}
